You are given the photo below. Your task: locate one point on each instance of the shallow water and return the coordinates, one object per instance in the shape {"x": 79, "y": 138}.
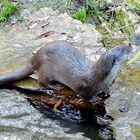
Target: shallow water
{"x": 20, "y": 120}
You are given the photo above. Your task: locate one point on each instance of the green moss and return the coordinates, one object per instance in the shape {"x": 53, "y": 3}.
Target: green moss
{"x": 7, "y": 9}
{"x": 92, "y": 10}
{"x": 81, "y": 14}
{"x": 135, "y": 129}
{"x": 124, "y": 23}
{"x": 135, "y": 4}
{"x": 108, "y": 15}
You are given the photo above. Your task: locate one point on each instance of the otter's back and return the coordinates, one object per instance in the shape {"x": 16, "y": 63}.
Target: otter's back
{"x": 63, "y": 62}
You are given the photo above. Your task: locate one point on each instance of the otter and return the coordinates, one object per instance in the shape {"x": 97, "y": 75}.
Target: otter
{"x": 61, "y": 62}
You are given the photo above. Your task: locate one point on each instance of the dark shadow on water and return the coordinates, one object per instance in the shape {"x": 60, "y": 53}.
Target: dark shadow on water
{"x": 90, "y": 129}
{"x": 70, "y": 118}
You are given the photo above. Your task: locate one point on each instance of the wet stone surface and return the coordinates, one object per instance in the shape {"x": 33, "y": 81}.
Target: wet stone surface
{"x": 19, "y": 120}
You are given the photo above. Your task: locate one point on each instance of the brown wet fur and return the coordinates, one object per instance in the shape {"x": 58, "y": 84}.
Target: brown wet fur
{"x": 60, "y": 62}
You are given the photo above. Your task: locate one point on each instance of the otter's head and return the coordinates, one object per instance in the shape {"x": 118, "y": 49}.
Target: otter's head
{"x": 117, "y": 55}
{"x": 110, "y": 62}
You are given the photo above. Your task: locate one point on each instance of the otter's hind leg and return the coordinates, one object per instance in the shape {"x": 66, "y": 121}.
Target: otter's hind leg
{"x": 55, "y": 86}
{"x": 46, "y": 80}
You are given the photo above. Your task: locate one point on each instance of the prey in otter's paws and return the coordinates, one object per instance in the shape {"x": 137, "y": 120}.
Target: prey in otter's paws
{"x": 61, "y": 62}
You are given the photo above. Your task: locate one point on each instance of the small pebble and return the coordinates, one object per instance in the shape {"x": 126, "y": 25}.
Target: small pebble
{"x": 123, "y": 109}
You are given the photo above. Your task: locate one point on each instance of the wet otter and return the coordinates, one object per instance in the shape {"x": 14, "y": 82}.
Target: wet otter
{"x": 60, "y": 61}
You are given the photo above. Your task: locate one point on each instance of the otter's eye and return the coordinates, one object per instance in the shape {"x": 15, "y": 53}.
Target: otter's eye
{"x": 113, "y": 62}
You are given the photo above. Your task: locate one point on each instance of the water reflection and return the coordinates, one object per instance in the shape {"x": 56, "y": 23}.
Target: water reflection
{"x": 91, "y": 130}
{"x": 72, "y": 125}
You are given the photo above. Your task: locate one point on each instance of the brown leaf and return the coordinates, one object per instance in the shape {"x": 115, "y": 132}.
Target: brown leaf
{"x": 46, "y": 34}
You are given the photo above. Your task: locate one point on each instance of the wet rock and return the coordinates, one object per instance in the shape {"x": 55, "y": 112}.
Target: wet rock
{"x": 124, "y": 108}
{"x": 122, "y": 121}
{"x": 106, "y": 133}
{"x": 135, "y": 129}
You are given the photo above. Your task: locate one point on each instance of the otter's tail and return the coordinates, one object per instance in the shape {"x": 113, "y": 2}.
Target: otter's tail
{"x": 21, "y": 72}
